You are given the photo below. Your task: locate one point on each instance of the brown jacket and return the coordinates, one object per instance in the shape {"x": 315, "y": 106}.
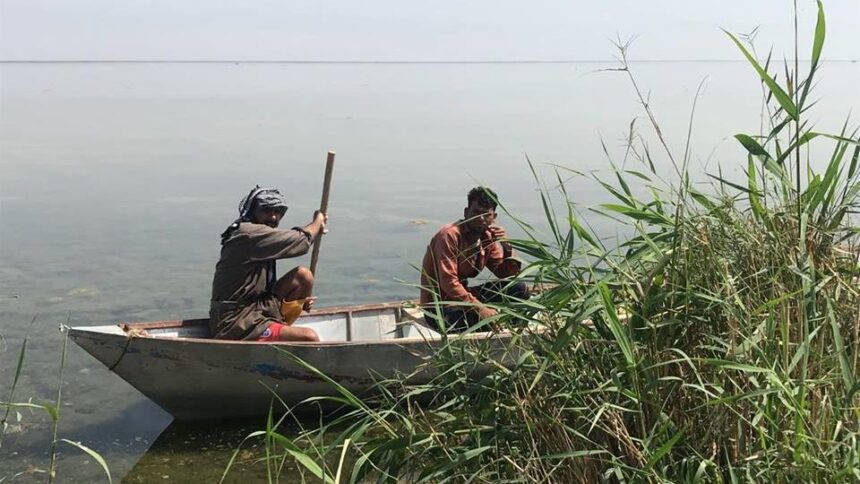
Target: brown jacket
{"x": 241, "y": 307}
{"x": 450, "y": 260}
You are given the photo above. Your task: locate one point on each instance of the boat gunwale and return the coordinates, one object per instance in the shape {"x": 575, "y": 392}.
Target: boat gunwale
{"x": 483, "y": 335}
{"x": 183, "y": 323}
{"x": 310, "y": 344}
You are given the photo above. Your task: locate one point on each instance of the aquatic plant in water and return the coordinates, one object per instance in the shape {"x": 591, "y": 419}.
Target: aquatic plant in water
{"x": 52, "y": 409}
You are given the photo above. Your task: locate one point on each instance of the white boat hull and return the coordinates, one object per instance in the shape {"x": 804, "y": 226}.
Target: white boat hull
{"x": 200, "y": 378}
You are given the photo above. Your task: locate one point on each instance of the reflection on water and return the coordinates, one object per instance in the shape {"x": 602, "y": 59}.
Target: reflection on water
{"x": 200, "y": 452}
{"x": 116, "y": 179}
{"x": 119, "y": 436}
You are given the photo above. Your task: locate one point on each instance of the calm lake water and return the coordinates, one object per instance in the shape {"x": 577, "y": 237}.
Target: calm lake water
{"x": 116, "y": 179}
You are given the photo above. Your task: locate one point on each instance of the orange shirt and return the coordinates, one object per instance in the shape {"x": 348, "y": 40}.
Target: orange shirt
{"x": 450, "y": 260}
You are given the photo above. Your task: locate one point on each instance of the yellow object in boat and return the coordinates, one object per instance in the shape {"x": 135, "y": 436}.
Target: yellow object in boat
{"x": 290, "y": 310}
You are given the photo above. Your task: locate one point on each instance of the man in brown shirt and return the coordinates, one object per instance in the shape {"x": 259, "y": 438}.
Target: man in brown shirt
{"x": 462, "y": 250}
{"x": 246, "y": 297}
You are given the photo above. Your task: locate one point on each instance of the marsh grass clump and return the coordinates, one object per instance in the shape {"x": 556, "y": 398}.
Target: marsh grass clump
{"x": 52, "y": 409}
{"x": 717, "y": 342}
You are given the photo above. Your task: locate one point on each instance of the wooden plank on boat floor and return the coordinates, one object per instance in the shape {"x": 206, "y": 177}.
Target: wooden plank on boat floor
{"x": 374, "y": 325}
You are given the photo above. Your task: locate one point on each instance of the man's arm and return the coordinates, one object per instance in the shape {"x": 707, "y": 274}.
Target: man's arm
{"x": 500, "y": 254}
{"x": 317, "y": 227}
{"x": 444, "y": 250}
{"x": 266, "y": 243}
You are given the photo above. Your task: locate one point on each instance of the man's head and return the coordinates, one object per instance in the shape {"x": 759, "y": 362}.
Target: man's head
{"x": 480, "y": 212}
{"x": 260, "y": 205}
{"x": 270, "y": 216}
{"x": 263, "y": 206}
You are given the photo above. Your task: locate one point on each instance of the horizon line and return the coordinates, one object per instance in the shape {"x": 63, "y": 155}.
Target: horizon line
{"x": 259, "y": 61}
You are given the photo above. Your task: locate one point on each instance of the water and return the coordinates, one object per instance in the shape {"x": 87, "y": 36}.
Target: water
{"x": 116, "y": 179}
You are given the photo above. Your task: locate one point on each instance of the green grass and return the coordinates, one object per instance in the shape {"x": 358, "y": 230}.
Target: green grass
{"x": 723, "y": 343}
{"x": 52, "y": 409}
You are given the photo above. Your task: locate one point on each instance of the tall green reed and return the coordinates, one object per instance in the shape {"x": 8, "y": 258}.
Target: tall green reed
{"x": 717, "y": 342}
{"x": 4, "y": 423}
{"x": 52, "y": 409}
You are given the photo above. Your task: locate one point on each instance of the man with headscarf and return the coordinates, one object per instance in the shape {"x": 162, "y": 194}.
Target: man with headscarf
{"x": 248, "y": 302}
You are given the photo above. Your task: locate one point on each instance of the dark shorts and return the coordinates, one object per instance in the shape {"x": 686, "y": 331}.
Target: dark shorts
{"x": 460, "y": 318}
{"x": 244, "y": 321}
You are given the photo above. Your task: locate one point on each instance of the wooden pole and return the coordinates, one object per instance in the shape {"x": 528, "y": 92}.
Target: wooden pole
{"x": 329, "y": 167}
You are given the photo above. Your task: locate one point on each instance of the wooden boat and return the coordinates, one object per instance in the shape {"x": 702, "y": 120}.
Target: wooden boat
{"x": 178, "y": 366}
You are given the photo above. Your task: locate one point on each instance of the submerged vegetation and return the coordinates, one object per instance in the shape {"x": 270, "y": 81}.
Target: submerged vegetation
{"x": 52, "y": 409}
{"x": 718, "y": 342}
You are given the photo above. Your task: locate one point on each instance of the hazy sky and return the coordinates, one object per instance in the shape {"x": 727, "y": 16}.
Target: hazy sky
{"x": 400, "y": 30}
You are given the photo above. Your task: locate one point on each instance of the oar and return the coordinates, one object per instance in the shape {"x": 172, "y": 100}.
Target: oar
{"x": 329, "y": 166}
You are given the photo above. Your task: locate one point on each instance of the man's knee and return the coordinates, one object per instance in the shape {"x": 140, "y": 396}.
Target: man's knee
{"x": 519, "y": 290}
{"x": 293, "y": 333}
{"x": 502, "y": 290}
{"x": 307, "y": 334}
{"x": 304, "y": 277}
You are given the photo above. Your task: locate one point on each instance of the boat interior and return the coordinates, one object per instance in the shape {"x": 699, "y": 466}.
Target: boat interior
{"x": 376, "y": 322}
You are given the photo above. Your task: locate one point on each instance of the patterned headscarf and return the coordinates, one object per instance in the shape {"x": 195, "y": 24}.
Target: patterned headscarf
{"x": 257, "y": 197}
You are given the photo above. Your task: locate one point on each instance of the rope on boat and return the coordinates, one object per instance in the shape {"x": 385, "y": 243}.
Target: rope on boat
{"x": 129, "y": 336}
